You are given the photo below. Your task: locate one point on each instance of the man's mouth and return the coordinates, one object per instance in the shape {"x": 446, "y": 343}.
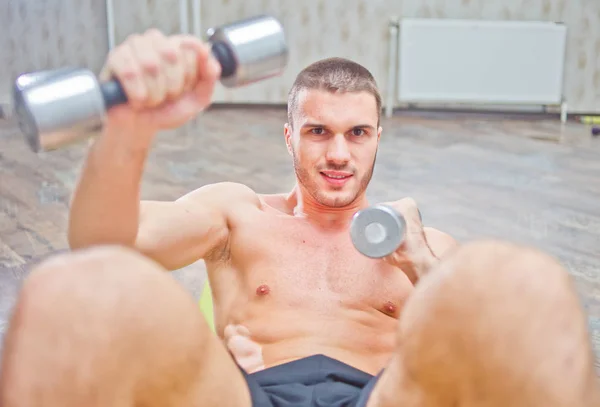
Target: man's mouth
{"x": 337, "y": 178}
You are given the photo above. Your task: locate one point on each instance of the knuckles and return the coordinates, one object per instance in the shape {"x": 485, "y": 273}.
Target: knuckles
{"x": 156, "y": 68}
{"x": 150, "y": 64}
{"x": 408, "y": 203}
{"x": 153, "y": 33}
{"x": 151, "y": 50}
{"x": 406, "y": 206}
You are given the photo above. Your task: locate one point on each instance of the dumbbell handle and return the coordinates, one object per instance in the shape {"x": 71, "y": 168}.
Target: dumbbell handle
{"x": 114, "y": 94}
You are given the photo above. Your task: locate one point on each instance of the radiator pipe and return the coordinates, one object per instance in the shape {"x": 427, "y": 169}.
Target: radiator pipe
{"x": 184, "y": 27}
{"x": 196, "y": 18}
{"x": 110, "y": 22}
{"x": 393, "y": 27}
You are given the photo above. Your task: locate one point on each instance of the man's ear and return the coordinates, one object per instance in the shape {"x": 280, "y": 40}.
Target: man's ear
{"x": 287, "y": 132}
{"x": 379, "y": 130}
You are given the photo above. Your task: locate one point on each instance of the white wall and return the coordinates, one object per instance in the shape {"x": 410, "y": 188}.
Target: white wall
{"x": 41, "y": 34}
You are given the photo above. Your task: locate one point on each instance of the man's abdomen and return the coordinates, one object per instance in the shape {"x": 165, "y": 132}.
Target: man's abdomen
{"x": 362, "y": 339}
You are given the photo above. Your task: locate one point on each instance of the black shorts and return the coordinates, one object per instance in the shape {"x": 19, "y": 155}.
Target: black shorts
{"x": 315, "y": 381}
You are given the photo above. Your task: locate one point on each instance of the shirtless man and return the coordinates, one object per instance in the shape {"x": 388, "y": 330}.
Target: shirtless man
{"x": 302, "y": 319}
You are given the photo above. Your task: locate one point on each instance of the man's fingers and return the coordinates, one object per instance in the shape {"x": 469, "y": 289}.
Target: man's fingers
{"x": 209, "y": 68}
{"x": 171, "y": 57}
{"x": 123, "y": 66}
{"x": 187, "y": 46}
{"x": 409, "y": 209}
{"x": 151, "y": 65}
{"x": 242, "y": 330}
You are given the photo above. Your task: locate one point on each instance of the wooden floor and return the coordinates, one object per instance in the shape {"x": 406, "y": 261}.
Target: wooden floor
{"x": 530, "y": 181}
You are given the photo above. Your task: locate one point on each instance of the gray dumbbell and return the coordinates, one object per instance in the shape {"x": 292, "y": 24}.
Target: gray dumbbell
{"x": 55, "y": 108}
{"x": 377, "y": 231}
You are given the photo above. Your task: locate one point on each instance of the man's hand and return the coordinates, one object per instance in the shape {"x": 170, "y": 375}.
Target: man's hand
{"x": 167, "y": 79}
{"x": 422, "y": 247}
{"x": 246, "y": 352}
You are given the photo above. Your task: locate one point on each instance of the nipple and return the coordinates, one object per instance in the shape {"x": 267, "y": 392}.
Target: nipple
{"x": 263, "y": 289}
{"x": 389, "y": 308}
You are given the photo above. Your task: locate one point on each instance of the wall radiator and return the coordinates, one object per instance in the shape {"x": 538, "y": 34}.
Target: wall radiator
{"x": 474, "y": 62}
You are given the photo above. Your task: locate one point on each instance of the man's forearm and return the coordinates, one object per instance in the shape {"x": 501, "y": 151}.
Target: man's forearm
{"x": 106, "y": 202}
{"x": 438, "y": 246}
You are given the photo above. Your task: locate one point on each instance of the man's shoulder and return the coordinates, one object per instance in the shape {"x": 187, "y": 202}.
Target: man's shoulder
{"x": 229, "y": 188}
{"x": 224, "y": 194}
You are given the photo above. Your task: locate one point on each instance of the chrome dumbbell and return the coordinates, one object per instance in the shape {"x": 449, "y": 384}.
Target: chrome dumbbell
{"x": 55, "y": 108}
{"x": 378, "y": 231}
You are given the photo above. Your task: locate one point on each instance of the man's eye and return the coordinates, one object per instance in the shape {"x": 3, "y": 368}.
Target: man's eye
{"x": 358, "y": 132}
{"x": 317, "y": 130}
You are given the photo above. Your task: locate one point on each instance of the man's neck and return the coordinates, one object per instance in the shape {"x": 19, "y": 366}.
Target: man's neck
{"x": 305, "y": 206}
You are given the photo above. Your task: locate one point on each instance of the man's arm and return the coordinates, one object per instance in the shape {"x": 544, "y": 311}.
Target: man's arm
{"x": 439, "y": 242}
{"x": 422, "y": 251}
{"x": 434, "y": 245}
{"x": 106, "y": 207}
{"x": 423, "y": 247}
{"x": 105, "y": 204}
{"x": 178, "y": 233}
{"x": 168, "y": 81}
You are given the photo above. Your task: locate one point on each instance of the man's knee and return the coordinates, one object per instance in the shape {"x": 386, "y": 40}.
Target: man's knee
{"x": 499, "y": 318}
{"x": 84, "y": 264}
{"x": 506, "y": 274}
{"x": 489, "y": 288}
{"x": 105, "y": 274}
{"x": 106, "y": 319}
{"x": 513, "y": 284}
{"x": 106, "y": 286}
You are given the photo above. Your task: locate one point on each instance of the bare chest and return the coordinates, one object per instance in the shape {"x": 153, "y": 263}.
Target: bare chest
{"x": 296, "y": 265}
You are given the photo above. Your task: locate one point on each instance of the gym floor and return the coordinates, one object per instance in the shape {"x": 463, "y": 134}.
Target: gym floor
{"x": 525, "y": 179}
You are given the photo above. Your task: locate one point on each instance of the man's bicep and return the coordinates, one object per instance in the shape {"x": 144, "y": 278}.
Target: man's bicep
{"x": 439, "y": 242}
{"x": 188, "y": 229}
{"x": 176, "y": 235}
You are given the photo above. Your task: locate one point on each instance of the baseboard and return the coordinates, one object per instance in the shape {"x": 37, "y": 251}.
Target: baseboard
{"x": 492, "y": 111}
{"x": 461, "y": 112}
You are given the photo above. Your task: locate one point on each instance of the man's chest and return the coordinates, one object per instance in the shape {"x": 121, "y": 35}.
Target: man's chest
{"x": 298, "y": 267}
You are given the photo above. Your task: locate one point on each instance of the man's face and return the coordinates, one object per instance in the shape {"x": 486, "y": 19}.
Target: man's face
{"x": 333, "y": 140}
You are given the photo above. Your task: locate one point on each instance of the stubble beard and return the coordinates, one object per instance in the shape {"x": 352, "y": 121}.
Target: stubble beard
{"x": 310, "y": 185}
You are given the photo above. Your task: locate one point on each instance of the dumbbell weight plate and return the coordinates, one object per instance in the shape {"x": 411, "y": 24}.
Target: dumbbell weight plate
{"x": 52, "y": 101}
{"x": 60, "y": 107}
{"x": 377, "y": 231}
{"x": 250, "y": 50}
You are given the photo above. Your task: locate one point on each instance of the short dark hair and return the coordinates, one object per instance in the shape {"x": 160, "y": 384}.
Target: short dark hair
{"x": 334, "y": 75}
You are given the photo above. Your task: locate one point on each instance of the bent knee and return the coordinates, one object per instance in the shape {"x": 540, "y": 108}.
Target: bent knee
{"x": 493, "y": 305}
{"x": 494, "y": 278}
{"x": 102, "y": 262}
{"x": 105, "y": 277}
{"x": 93, "y": 260}
{"x": 507, "y": 268}
{"x": 107, "y": 289}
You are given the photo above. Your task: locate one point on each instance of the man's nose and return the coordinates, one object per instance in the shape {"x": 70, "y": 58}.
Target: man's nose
{"x": 338, "y": 151}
